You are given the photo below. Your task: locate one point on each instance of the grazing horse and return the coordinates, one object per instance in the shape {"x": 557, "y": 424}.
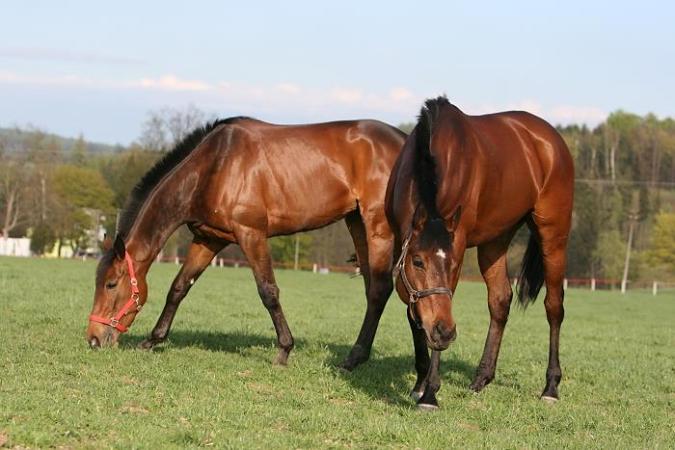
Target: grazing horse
{"x": 463, "y": 181}
{"x": 242, "y": 181}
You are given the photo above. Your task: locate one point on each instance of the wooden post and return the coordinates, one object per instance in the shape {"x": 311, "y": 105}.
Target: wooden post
{"x": 297, "y": 251}
{"x": 655, "y": 288}
{"x": 565, "y": 284}
{"x": 592, "y": 284}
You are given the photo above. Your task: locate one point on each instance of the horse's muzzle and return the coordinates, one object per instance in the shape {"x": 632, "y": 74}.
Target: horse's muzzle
{"x": 441, "y": 336}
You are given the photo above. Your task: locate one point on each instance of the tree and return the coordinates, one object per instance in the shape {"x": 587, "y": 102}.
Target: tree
{"x": 81, "y": 194}
{"x": 282, "y": 248}
{"x": 79, "y": 151}
{"x": 609, "y": 254}
{"x": 662, "y": 248}
{"x": 165, "y": 128}
{"x": 12, "y": 190}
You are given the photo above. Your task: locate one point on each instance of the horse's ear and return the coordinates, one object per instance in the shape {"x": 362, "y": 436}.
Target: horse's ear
{"x": 107, "y": 243}
{"x": 454, "y": 222}
{"x": 120, "y": 249}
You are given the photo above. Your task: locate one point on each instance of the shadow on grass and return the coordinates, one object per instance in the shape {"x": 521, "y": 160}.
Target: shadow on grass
{"x": 208, "y": 340}
{"x": 388, "y": 378}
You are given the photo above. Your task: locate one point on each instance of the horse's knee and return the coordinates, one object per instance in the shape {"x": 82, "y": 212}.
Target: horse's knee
{"x": 379, "y": 292}
{"x": 269, "y": 293}
{"x": 500, "y": 304}
{"x": 555, "y": 312}
{"x": 179, "y": 289}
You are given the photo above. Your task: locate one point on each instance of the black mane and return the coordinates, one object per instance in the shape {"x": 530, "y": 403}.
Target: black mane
{"x": 150, "y": 180}
{"x": 425, "y": 163}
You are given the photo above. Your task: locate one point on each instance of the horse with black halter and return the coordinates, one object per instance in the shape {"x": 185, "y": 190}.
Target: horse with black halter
{"x": 463, "y": 181}
{"x": 241, "y": 181}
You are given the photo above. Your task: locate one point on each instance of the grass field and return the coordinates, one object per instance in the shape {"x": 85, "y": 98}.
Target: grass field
{"x": 213, "y": 384}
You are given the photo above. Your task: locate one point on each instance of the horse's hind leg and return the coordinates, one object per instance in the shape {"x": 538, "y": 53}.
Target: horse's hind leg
{"x": 553, "y": 238}
{"x": 199, "y": 256}
{"x": 254, "y": 245}
{"x": 374, "y": 257}
{"x": 492, "y": 262}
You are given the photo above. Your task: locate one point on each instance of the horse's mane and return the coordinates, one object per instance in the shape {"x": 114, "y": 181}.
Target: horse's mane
{"x": 424, "y": 171}
{"x": 151, "y": 179}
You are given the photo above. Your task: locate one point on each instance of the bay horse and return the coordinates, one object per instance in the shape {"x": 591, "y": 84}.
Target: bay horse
{"x": 241, "y": 180}
{"x": 462, "y": 181}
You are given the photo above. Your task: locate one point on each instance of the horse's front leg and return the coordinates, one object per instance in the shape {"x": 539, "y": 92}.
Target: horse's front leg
{"x": 199, "y": 256}
{"x": 422, "y": 362}
{"x": 432, "y": 385}
{"x": 254, "y": 245}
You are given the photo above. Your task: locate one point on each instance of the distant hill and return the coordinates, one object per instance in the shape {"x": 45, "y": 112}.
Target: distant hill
{"x": 12, "y": 140}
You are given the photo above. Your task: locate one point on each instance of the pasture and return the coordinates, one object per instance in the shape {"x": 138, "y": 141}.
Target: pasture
{"x": 213, "y": 384}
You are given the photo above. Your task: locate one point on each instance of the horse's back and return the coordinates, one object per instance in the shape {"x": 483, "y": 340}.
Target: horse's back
{"x": 292, "y": 177}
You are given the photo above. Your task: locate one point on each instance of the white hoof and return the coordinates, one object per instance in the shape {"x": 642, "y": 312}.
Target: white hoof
{"x": 416, "y": 395}
{"x": 549, "y": 400}
{"x": 426, "y": 407}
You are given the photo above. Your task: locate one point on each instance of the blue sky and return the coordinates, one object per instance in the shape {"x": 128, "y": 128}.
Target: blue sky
{"x": 97, "y": 68}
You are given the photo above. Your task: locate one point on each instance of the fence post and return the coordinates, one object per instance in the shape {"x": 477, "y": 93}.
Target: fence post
{"x": 176, "y": 260}
{"x": 592, "y": 284}
{"x": 315, "y": 268}
{"x": 655, "y": 288}
{"x": 220, "y": 262}
{"x": 623, "y": 285}
{"x": 565, "y": 283}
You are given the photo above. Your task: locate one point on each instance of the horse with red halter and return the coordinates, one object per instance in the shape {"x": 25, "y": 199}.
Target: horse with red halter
{"x": 463, "y": 181}
{"x": 242, "y": 181}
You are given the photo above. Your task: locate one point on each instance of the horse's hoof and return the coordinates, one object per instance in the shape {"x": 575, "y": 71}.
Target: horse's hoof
{"x": 147, "y": 344}
{"x": 548, "y": 399}
{"x": 416, "y": 395}
{"x": 426, "y": 407}
{"x": 346, "y": 366}
{"x": 281, "y": 360}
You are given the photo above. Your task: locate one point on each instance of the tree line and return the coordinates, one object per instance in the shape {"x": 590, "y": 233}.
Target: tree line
{"x": 65, "y": 193}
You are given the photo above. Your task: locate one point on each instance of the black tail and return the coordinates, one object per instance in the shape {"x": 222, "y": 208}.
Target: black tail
{"x": 531, "y": 276}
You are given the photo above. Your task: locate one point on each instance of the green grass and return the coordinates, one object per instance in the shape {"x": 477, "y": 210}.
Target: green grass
{"x": 213, "y": 384}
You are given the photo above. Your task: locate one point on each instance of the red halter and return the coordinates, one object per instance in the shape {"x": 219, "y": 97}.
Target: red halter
{"x": 134, "y": 300}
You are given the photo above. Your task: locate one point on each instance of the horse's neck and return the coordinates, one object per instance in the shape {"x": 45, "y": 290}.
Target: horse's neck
{"x": 161, "y": 214}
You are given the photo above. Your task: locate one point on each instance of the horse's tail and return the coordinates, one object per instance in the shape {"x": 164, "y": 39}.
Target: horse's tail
{"x": 531, "y": 273}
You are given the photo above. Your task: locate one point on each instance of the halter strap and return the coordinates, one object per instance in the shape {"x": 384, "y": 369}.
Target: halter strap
{"x": 134, "y": 300}
{"x": 414, "y": 294}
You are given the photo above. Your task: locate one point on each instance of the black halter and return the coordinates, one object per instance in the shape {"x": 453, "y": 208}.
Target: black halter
{"x": 414, "y": 294}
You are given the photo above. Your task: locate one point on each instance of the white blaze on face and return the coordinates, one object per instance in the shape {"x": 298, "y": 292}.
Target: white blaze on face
{"x": 440, "y": 253}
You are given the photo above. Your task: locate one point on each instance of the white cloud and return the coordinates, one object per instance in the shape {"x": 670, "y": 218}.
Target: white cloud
{"x": 286, "y": 98}
{"x": 346, "y": 95}
{"x": 577, "y": 114}
{"x": 52, "y": 54}
{"x": 289, "y": 88}
{"x": 172, "y": 83}
{"x": 400, "y": 94}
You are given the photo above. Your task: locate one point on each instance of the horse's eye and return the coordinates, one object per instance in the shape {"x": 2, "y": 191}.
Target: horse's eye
{"x": 111, "y": 285}
{"x": 417, "y": 262}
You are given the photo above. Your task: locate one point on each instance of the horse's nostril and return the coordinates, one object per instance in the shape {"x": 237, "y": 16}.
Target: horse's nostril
{"x": 442, "y": 333}
{"x": 94, "y": 343}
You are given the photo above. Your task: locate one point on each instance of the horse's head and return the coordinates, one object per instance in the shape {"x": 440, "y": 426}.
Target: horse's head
{"x": 120, "y": 293}
{"x": 426, "y": 270}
